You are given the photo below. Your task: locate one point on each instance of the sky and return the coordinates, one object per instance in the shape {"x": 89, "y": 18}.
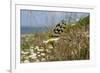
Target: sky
{"x": 35, "y": 18}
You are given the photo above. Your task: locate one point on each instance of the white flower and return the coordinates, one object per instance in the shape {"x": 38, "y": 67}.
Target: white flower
{"x": 26, "y": 57}
{"x": 37, "y": 48}
{"x": 31, "y": 47}
{"x": 39, "y": 55}
{"x": 26, "y": 61}
{"x": 37, "y": 60}
{"x": 41, "y": 50}
{"x": 31, "y": 50}
{"x": 43, "y": 54}
{"x": 38, "y": 52}
{"x": 33, "y": 56}
{"x": 22, "y": 52}
{"x": 43, "y": 59}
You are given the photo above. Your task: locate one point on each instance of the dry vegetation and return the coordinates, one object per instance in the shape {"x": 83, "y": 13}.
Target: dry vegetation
{"x": 73, "y": 43}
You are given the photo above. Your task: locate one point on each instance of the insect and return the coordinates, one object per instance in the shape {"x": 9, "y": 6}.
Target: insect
{"x": 59, "y": 28}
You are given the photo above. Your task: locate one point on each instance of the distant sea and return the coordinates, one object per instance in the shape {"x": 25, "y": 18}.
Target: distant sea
{"x": 30, "y": 30}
